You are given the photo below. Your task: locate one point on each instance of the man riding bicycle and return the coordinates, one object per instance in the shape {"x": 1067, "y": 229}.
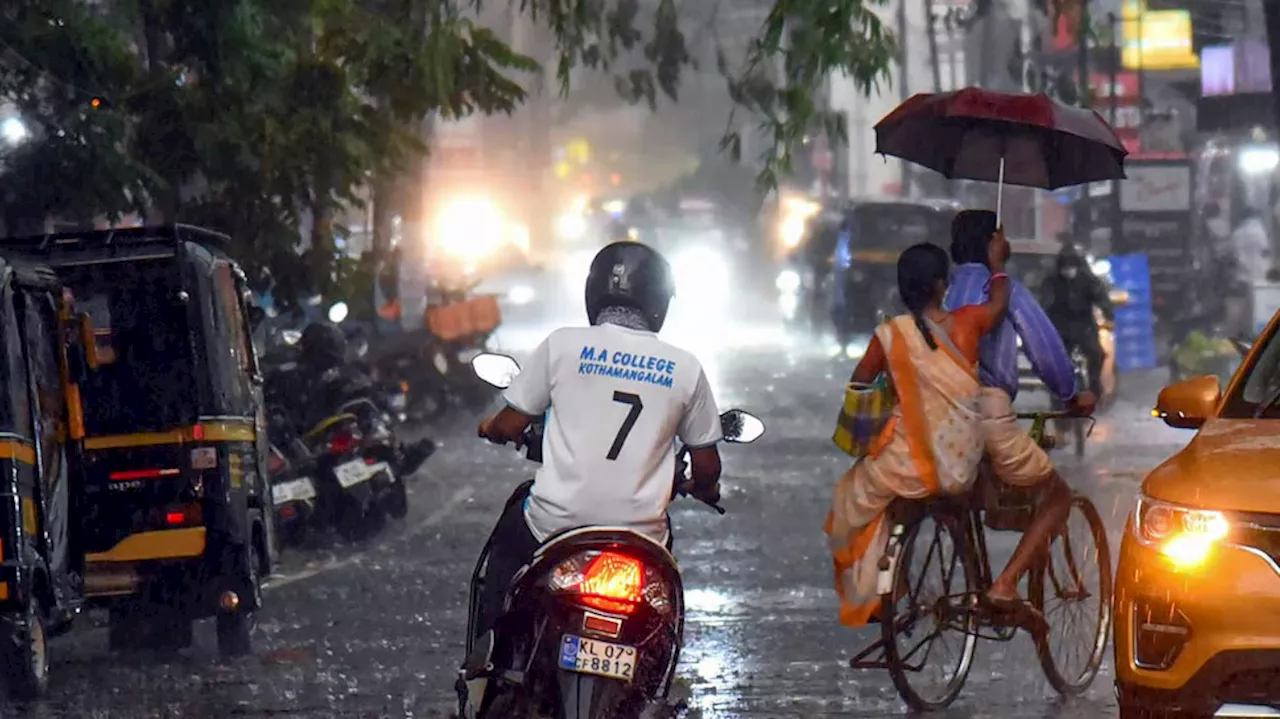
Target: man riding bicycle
{"x": 1015, "y": 457}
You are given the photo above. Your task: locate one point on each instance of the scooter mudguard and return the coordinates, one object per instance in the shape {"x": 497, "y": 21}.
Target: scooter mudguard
{"x": 584, "y": 696}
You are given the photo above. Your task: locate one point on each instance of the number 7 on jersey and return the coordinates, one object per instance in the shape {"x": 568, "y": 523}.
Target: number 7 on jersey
{"x": 633, "y": 401}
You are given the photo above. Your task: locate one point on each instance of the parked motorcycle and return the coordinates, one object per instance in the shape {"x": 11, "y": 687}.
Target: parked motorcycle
{"x": 596, "y": 621}
{"x": 293, "y": 491}
{"x": 415, "y": 370}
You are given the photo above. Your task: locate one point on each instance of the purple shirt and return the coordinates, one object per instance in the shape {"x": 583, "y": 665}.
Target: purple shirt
{"x": 998, "y": 350}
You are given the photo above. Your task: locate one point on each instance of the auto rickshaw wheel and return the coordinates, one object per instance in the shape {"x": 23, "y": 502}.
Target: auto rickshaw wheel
{"x": 26, "y": 663}
{"x": 235, "y": 628}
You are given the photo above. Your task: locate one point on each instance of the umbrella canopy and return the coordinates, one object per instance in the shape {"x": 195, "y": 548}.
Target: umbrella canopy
{"x": 965, "y": 134}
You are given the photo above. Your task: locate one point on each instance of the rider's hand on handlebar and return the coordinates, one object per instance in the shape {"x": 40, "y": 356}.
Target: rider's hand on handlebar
{"x": 486, "y": 430}
{"x": 710, "y": 495}
{"x": 1083, "y": 403}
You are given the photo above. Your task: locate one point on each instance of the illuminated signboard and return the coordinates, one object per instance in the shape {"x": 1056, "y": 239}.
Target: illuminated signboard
{"x": 1165, "y": 42}
{"x": 1241, "y": 67}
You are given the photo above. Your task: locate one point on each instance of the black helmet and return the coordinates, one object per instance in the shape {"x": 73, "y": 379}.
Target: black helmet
{"x": 1070, "y": 256}
{"x": 323, "y": 342}
{"x": 630, "y": 274}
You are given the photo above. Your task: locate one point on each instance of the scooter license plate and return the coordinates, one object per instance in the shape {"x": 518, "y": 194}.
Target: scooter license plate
{"x": 299, "y": 489}
{"x": 589, "y": 656}
{"x": 352, "y": 473}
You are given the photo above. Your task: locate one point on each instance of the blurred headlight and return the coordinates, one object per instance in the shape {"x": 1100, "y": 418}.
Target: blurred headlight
{"x": 571, "y": 226}
{"x": 788, "y": 281}
{"x": 701, "y": 273}
{"x": 788, "y": 303}
{"x": 521, "y": 295}
{"x": 470, "y": 228}
{"x": 791, "y": 231}
{"x": 1183, "y": 535}
{"x": 796, "y": 212}
{"x": 1101, "y": 268}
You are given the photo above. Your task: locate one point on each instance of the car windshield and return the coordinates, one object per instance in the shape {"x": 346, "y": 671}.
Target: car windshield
{"x": 898, "y": 226}
{"x": 1261, "y": 379}
{"x": 145, "y": 381}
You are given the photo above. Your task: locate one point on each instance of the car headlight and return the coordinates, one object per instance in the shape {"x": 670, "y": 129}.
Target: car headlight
{"x": 1101, "y": 268}
{"x": 788, "y": 281}
{"x": 1182, "y": 534}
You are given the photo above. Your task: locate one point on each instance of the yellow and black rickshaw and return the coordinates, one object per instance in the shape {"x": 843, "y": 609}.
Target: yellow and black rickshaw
{"x": 175, "y": 507}
{"x": 872, "y": 235}
{"x": 41, "y": 562}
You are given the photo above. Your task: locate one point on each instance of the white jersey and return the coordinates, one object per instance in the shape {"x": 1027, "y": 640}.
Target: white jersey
{"x": 618, "y": 400}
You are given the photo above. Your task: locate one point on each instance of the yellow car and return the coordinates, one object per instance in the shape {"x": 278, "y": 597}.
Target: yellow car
{"x": 1197, "y": 614}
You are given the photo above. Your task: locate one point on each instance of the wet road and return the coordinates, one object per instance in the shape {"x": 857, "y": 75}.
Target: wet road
{"x": 376, "y": 630}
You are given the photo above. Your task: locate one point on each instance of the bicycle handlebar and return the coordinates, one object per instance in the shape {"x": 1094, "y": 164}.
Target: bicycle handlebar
{"x": 1051, "y": 414}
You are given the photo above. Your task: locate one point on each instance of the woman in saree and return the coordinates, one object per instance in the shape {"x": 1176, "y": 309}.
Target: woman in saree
{"x": 933, "y": 442}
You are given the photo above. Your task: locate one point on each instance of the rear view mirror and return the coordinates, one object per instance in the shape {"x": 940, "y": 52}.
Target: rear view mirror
{"x": 1241, "y": 345}
{"x": 1187, "y": 404}
{"x": 89, "y": 342}
{"x": 741, "y": 427}
{"x": 495, "y": 369}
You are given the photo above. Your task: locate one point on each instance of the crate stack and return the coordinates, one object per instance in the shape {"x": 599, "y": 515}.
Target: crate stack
{"x": 1135, "y": 319}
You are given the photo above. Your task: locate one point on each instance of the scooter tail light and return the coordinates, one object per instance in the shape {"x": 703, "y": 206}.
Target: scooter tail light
{"x": 613, "y": 582}
{"x": 657, "y": 592}
{"x": 275, "y": 461}
{"x": 343, "y": 440}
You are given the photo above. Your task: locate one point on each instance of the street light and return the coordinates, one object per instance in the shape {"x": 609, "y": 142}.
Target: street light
{"x": 13, "y": 130}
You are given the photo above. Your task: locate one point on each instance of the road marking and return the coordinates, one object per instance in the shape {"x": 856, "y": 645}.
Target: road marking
{"x": 444, "y": 510}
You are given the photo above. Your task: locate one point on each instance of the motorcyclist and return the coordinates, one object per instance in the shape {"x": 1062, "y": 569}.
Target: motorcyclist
{"x": 327, "y": 380}
{"x": 622, "y": 397}
{"x": 1070, "y": 297}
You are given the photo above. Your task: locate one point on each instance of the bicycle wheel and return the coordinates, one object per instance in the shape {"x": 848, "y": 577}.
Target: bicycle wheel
{"x": 1072, "y": 586}
{"x": 930, "y": 601}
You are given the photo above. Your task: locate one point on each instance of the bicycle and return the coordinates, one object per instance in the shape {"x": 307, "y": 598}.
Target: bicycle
{"x": 961, "y": 521}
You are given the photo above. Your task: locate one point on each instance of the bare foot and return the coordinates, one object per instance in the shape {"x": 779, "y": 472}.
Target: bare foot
{"x": 1000, "y": 593}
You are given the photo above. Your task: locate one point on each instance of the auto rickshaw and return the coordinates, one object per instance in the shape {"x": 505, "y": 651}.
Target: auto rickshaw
{"x": 41, "y": 590}
{"x": 175, "y": 507}
{"x": 874, "y": 233}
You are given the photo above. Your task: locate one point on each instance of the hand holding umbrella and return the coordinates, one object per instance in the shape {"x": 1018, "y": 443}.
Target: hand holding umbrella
{"x": 1015, "y": 138}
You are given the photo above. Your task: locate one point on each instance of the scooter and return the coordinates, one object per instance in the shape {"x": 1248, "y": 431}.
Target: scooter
{"x": 595, "y": 622}
{"x": 294, "y": 495}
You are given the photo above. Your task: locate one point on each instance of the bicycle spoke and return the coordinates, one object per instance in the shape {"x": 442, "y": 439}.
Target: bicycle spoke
{"x": 1074, "y": 600}
{"x": 927, "y": 654}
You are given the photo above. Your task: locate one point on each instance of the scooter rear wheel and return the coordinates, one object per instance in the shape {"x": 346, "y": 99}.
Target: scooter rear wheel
{"x": 397, "y": 500}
